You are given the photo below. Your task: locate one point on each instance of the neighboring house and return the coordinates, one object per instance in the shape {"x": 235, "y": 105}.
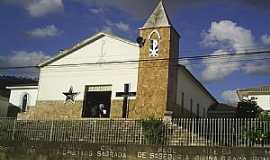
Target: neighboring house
{"x": 3, "y": 106}
{"x": 259, "y": 94}
{"x": 12, "y": 81}
{"x": 93, "y": 74}
{"x": 4, "y": 92}
{"x": 23, "y": 96}
{"x": 221, "y": 111}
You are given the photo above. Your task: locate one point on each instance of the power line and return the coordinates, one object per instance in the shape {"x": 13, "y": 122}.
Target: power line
{"x": 225, "y": 51}
{"x": 224, "y": 55}
{"x": 239, "y": 48}
{"x": 224, "y": 65}
{"x": 190, "y": 58}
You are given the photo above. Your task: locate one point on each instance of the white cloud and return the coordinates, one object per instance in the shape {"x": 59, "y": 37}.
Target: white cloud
{"x": 96, "y": 10}
{"x": 142, "y": 8}
{"x": 111, "y": 26}
{"x": 257, "y": 68}
{"x": 23, "y": 58}
{"x": 225, "y": 34}
{"x": 121, "y": 26}
{"x": 139, "y": 8}
{"x": 266, "y": 39}
{"x": 48, "y": 31}
{"x": 230, "y": 96}
{"x": 107, "y": 29}
{"x": 229, "y": 34}
{"x": 217, "y": 69}
{"x": 38, "y": 8}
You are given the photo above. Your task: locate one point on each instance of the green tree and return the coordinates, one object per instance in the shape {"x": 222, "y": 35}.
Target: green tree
{"x": 247, "y": 109}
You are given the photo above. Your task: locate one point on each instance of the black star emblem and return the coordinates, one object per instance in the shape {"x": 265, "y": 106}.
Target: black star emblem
{"x": 70, "y": 95}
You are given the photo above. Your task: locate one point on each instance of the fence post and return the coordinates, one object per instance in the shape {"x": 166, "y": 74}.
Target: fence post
{"x": 14, "y": 130}
{"x": 141, "y": 132}
{"x": 192, "y": 130}
{"x": 51, "y": 131}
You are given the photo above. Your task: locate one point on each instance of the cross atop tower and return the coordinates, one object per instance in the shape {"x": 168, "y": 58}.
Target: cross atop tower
{"x": 158, "y": 18}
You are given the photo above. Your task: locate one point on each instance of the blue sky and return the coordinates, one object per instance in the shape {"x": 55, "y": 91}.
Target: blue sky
{"x": 33, "y": 30}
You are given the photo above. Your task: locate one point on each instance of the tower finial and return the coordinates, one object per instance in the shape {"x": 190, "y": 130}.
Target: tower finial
{"x": 158, "y": 18}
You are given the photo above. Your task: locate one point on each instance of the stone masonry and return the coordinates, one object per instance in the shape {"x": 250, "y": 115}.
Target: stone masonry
{"x": 58, "y": 110}
{"x": 156, "y": 92}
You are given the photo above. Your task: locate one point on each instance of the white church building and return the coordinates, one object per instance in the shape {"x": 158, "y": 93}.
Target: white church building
{"x": 111, "y": 77}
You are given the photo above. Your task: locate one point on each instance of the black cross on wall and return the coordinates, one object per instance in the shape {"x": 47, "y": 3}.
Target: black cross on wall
{"x": 125, "y": 96}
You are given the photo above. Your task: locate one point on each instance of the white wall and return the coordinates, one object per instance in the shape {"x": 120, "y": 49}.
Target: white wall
{"x": 16, "y": 96}
{"x": 54, "y": 80}
{"x": 262, "y": 100}
{"x": 104, "y": 49}
{"x": 187, "y": 85}
{"x": 3, "y": 106}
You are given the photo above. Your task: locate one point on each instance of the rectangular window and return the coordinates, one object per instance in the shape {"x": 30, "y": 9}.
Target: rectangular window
{"x": 204, "y": 112}
{"x": 99, "y": 88}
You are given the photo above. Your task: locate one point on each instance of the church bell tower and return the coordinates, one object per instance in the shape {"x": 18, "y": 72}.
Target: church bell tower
{"x": 157, "y": 79}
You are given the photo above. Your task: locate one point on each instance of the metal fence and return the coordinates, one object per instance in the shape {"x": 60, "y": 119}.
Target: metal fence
{"x": 178, "y": 132}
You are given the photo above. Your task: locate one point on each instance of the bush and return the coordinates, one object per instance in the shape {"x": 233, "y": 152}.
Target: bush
{"x": 260, "y": 134}
{"x": 153, "y": 131}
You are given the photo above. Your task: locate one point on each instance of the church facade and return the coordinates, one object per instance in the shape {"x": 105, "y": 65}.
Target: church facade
{"x": 109, "y": 77}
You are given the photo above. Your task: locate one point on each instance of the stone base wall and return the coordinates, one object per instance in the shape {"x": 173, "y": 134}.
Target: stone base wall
{"x": 117, "y": 109}
{"x": 56, "y": 110}
{"x": 53, "y": 110}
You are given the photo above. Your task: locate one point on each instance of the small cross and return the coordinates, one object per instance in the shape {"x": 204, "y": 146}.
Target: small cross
{"x": 70, "y": 95}
{"x": 102, "y": 53}
{"x": 125, "y": 95}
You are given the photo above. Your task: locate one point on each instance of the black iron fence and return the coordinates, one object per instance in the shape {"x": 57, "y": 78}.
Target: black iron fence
{"x": 178, "y": 132}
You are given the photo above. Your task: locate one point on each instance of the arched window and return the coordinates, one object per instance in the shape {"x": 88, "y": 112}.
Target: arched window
{"x": 154, "y": 39}
{"x": 154, "y": 32}
{"x": 24, "y": 102}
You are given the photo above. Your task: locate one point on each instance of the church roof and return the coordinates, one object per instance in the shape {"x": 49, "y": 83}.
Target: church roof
{"x": 82, "y": 44}
{"x": 158, "y": 18}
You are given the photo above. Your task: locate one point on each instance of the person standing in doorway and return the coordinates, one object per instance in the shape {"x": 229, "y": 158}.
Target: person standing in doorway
{"x": 102, "y": 111}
